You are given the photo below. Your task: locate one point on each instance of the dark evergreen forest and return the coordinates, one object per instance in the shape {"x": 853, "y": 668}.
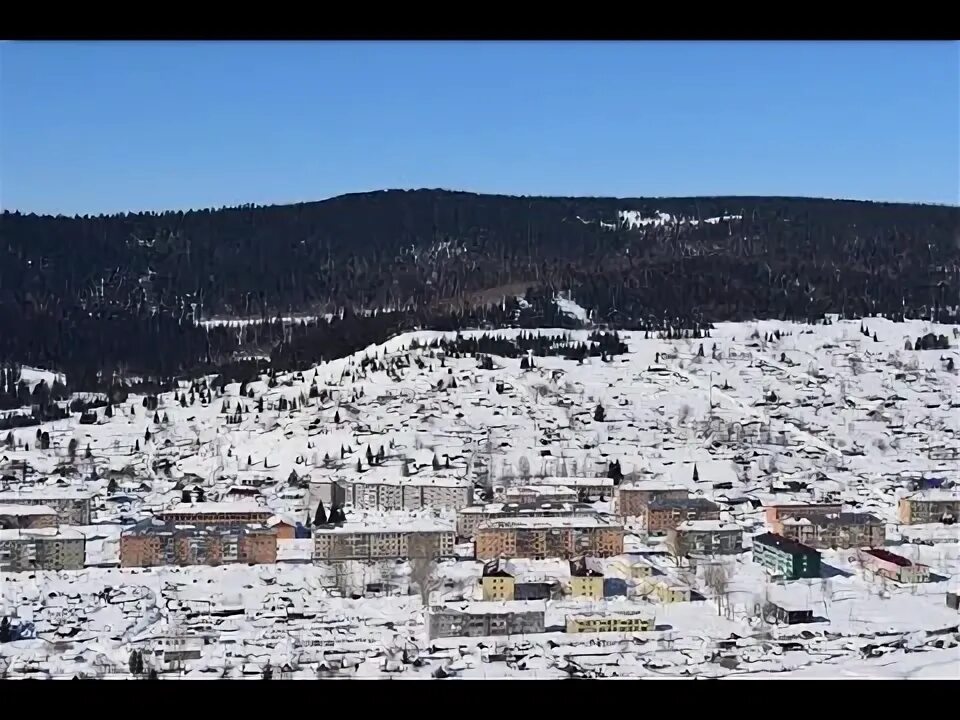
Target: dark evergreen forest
{"x": 122, "y": 294}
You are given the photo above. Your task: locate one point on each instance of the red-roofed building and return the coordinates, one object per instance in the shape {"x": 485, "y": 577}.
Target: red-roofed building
{"x": 893, "y": 566}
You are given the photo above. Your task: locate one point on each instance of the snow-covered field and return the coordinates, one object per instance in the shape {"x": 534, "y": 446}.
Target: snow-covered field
{"x": 825, "y": 406}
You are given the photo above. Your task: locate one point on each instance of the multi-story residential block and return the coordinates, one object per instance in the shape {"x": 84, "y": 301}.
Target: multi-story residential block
{"x": 665, "y": 589}
{"x": 631, "y": 568}
{"x": 46, "y": 548}
{"x": 843, "y": 530}
{"x": 153, "y": 543}
{"x": 217, "y": 514}
{"x": 496, "y": 582}
{"x": 409, "y": 493}
{"x": 779, "y": 511}
{"x": 470, "y": 518}
{"x": 514, "y": 617}
{"x": 666, "y": 513}
{"x": 609, "y": 622}
{"x": 590, "y": 486}
{"x": 538, "y": 493}
{"x": 385, "y": 537}
{"x": 929, "y": 506}
{"x": 631, "y": 499}
{"x": 893, "y": 566}
{"x": 540, "y": 538}
{"x": 27, "y": 517}
{"x": 708, "y": 537}
{"x": 786, "y": 558}
{"x": 72, "y": 507}
{"x": 585, "y": 582}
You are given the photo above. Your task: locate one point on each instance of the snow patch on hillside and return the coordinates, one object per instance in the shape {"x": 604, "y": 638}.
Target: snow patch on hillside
{"x": 569, "y": 307}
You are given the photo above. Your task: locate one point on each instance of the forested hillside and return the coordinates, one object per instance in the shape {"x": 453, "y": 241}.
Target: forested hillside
{"x": 125, "y": 292}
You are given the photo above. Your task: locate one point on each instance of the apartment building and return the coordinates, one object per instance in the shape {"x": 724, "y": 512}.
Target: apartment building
{"x": 779, "y": 511}
{"x": 548, "y": 537}
{"x": 785, "y": 558}
{"x": 72, "y": 507}
{"x": 409, "y": 493}
{"x": 383, "y": 538}
{"x": 585, "y": 581}
{"x": 929, "y": 506}
{"x": 890, "y": 565}
{"x": 470, "y": 518}
{"x": 590, "y": 486}
{"x": 27, "y": 517}
{"x": 620, "y": 622}
{"x": 216, "y": 514}
{"x": 153, "y": 543}
{"x": 497, "y": 584}
{"x": 707, "y": 537}
{"x": 516, "y": 617}
{"x": 631, "y": 499}
{"x": 665, "y": 589}
{"x": 665, "y": 513}
{"x": 46, "y": 548}
{"x": 538, "y": 493}
{"x": 843, "y": 530}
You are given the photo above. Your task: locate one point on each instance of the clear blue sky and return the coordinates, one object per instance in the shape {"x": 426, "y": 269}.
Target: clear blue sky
{"x": 103, "y": 127}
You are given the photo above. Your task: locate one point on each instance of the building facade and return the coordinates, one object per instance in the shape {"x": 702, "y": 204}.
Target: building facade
{"x": 216, "y": 514}
{"x": 632, "y": 498}
{"x": 541, "y": 538}
{"x": 485, "y": 619}
{"x": 409, "y": 493}
{"x": 27, "y": 517}
{"x": 154, "y": 543}
{"x": 613, "y": 622}
{"x": 72, "y": 508}
{"x": 785, "y": 558}
{"x": 359, "y": 541}
{"x": 709, "y": 537}
{"x": 42, "y": 549}
{"x": 585, "y": 582}
{"x": 890, "y": 565}
{"x": 497, "y": 584}
{"x": 470, "y": 518}
{"x": 844, "y": 530}
{"x": 666, "y": 513}
{"x": 778, "y": 511}
{"x": 929, "y": 506}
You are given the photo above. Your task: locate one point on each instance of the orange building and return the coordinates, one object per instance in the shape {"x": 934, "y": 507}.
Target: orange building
{"x": 665, "y": 514}
{"x": 548, "y": 537}
{"x": 153, "y": 543}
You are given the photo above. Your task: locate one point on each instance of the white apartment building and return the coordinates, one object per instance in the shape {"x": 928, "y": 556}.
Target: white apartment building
{"x": 409, "y": 493}
{"x": 383, "y": 537}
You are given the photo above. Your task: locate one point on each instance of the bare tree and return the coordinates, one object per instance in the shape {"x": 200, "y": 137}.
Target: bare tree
{"x": 674, "y": 547}
{"x": 716, "y": 578}
{"x": 421, "y": 550}
{"x": 523, "y": 466}
{"x": 683, "y": 414}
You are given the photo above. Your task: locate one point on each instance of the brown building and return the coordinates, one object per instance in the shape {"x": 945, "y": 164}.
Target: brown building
{"x": 666, "y": 513}
{"x": 470, "y": 518}
{"x": 632, "y": 498}
{"x": 842, "y": 530}
{"x": 548, "y": 537}
{"x": 153, "y": 543}
{"x": 216, "y": 514}
{"x": 27, "y": 517}
{"x": 285, "y": 528}
{"x": 893, "y": 566}
{"x": 929, "y": 506}
{"x": 708, "y": 537}
{"x": 776, "y": 512}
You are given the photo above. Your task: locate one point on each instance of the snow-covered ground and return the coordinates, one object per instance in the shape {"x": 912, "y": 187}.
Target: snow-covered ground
{"x": 843, "y": 414}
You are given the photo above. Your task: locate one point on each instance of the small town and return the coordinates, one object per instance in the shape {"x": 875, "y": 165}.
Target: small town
{"x": 765, "y": 500}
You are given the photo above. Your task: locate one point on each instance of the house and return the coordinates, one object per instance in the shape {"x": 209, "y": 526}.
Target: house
{"x": 786, "y": 613}
{"x": 778, "y": 511}
{"x": 631, "y": 499}
{"x": 895, "y": 567}
{"x": 621, "y": 622}
{"x": 786, "y": 558}
{"x": 548, "y": 537}
{"x": 153, "y": 542}
{"x": 584, "y": 580}
{"x": 929, "y": 506}
{"x": 27, "y": 517}
{"x": 47, "y": 548}
{"x": 630, "y": 567}
{"x": 666, "y": 589}
{"x": 665, "y": 513}
{"x": 709, "y": 537}
{"x": 514, "y": 617}
{"x": 843, "y": 530}
{"x": 285, "y": 527}
{"x": 497, "y": 583}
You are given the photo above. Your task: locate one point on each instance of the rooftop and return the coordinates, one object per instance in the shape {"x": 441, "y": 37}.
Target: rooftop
{"x": 936, "y": 495}
{"x": 619, "y": 615}
{"x": 697, "y": 503}
{"x": 412, "y": 481}
{"x": 890, "y": 557}
{"x": 533, "y": 523}
{"x": 835, "y": 519}
{"x": 61, "y": 533}
{"x": 499, "y": 508}
{"x": 154, "y": 526}
{"x": 27, "y": 510}
{"x": 387, "y": 523}
{"x": 785, "y": 544}
{"x": 504, "y": 607}
{"x": 575, "y": 482}
{"x": 217, "y": 508}
{"x": 12, "y": 496}
{"x": 707, "y": 526}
